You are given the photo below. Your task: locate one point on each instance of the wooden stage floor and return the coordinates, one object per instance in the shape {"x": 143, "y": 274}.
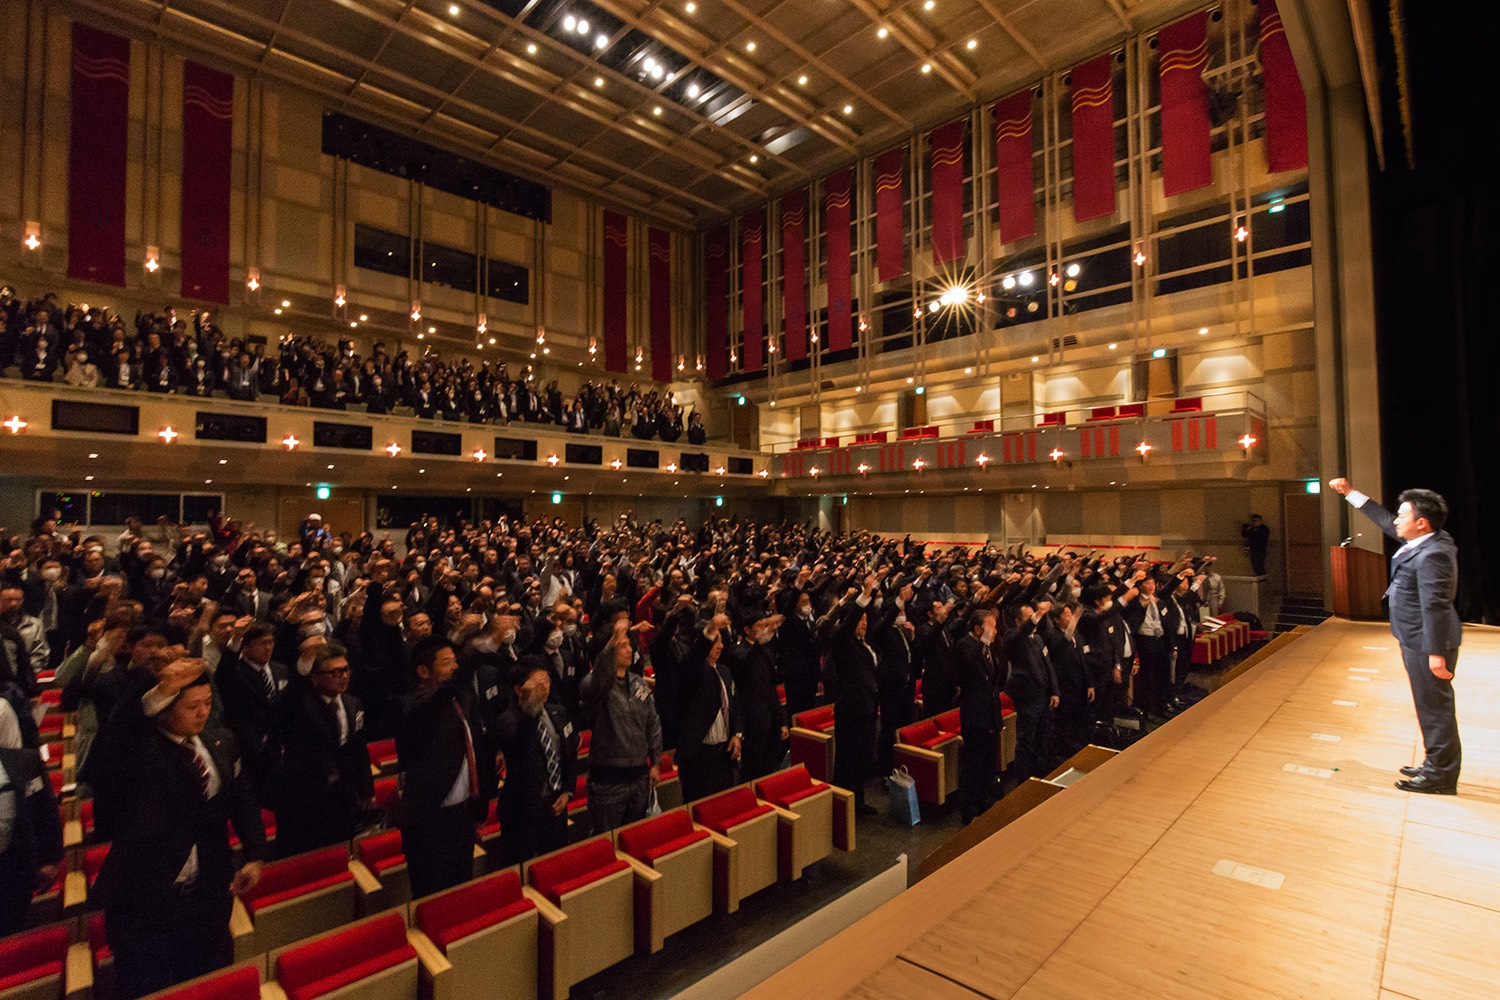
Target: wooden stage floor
{"x": 1253, "y": 847}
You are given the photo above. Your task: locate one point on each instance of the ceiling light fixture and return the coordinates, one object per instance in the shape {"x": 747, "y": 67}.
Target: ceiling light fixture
{"x": 882, "y": 32}
{"x": 802, "y": 80}
{"x": 927, "y": 67}
{"x": 598, "y": 81}
{"x": 749, "y": 46}
{"x": 531, "y": 49}
{"x": 973, "y": 44}
{"x": 848, "y": 109}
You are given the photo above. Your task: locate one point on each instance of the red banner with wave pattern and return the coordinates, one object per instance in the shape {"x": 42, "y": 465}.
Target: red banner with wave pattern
{"x": 96, "y": 156}
{"x": 659, "y": 243}
{"x": 1186, "y": 158}
{"x": 616, "y": 251}
{"x": 890, "y": 214}
{"x": 207, "y": 154}
{"x": 836, "y": 200}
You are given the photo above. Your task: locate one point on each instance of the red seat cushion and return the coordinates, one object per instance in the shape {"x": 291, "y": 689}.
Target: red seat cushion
{"x": 1102, "y": 413}
{"x": 242, "y": 983}
{"x": 1188, "y": 404}
{"x": 86, "y": 815}
{"x": 1007, "y": 707}
{"x": 337, "y": 960}
{"x": 786, "y": 787}
{"x": 472, "y": 907}
{"x": 730, "y": 809}
{"x": 56, "y": 777}
{"x": 491, "y": 824}
{"x": 382, "y": 753}
{"x": 298, "y": 876}
{"x": 949, "y": 722}
{"x": 572, "y": 869}
{"x": 93, "y": 861}
{"x": 32, "y": 955}
{"x": 668, "y": 767}
{"x": 585, "y": 739}
{"x": 1133, "y": 411}
{"x": 381, "y": 851}
{"x": 661, "y": 836}
{"x": 817, "y": 719}
{"x": 387, "y": 791}
{"x": 918, "y": 733}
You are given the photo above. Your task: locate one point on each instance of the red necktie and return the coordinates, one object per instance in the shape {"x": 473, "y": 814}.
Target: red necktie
{"x": 468, "y": 752}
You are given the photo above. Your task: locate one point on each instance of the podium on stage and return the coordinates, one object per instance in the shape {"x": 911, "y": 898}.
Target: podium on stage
{"x": 1359, "y": 579}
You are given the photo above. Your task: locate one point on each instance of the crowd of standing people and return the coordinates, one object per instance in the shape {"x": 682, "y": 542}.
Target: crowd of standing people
{"x": 251, "y": 670}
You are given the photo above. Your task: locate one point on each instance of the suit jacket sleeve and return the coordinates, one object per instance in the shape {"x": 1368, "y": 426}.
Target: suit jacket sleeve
{"x": 1384, "y": 519}
{"x": 1435, "y": 582}
{"x": 46, "y": 825}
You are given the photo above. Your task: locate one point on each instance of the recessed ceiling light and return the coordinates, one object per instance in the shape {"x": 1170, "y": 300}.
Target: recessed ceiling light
{"x": 531, "y": 49}
{"x": 570, "y": 23}
{"x": 749, "y": 46}
{"x": 973, "y": 44}
{"x": 1202, "y": 330}
{"x": 601, "y": 42}
{"x": 690, "y": 8}
{"x": 882, "y": 32}
{"x": 692, "y": 90}
{"x": 754, "y": 158}
{"x": 223, "y": 461}
{"x": 802, "y": 80}
{"x": 453, "y": 9}
{"x": 1113, "y": 346}
{"x": 848, "y": 109}
{"x": 598, "y": 81}
{"x": 583, "y": 26}
{"x": 364, "y": 317}
{"x": 1035, "y": 359}
{"x": 929, "y": 4}
{"x": 656, "y": 110}
{"x": 927, "y": 67}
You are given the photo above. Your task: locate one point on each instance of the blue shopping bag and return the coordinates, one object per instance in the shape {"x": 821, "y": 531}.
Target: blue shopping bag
{"x": 903, "y": 797}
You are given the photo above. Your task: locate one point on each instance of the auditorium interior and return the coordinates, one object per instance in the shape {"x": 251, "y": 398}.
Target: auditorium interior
{"x": 907, "y": 304}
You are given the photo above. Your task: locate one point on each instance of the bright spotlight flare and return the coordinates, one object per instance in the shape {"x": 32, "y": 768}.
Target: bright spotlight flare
{"x": 955, "y": 296}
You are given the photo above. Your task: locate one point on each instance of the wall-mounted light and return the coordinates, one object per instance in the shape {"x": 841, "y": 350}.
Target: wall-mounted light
{"x": 32, "y": 240}
{"x": 552, "y": 460}
{"x": 290, "y": 442}
{"x": 168, "y": 435}
{"x": 340, "y": 296}
{"x": 252, "y": 279}
{"x": 153, "y": 260}
{"x": 16, "y": 424}
{"x": 393, "y": 449}
{"x": 479, "y": 454}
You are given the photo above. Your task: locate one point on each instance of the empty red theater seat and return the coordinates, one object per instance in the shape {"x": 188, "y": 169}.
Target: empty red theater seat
{"x": 34, "y": 959}
{"x": 1054, "y": 419}
{"x": 1188, "y": 404}
{"x": 350, "y": 956}
{"x": 1102, "y": 413}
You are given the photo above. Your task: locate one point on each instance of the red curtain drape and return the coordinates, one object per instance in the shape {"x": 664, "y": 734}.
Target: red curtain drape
{"x": 752, "y": 240}
{"x": 947, "y": 148}
{"x": 1013, "y": 153}
{"x": 616, "y": 247}
{"x": 96, "y": 156}
{"x": 836, "y": 225}
{"x": 716, "y": 298}
{"x": 890, "y": 214}
{"x": 1286, "y": 105}
{"x": 1186, "y": 160}
{"x": 207, "y": 149}
{"x": 1093, "y": 139}
{"x": 660, "y": 244}
{"x": 794, "y": 275}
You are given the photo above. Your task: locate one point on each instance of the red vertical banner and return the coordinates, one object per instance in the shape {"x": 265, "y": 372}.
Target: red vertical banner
{"x": 1286, "y": 105}
{"x": 1013, "y": 156}
{"x": 207, "y": 151}
{"x": 947, "y": 150}
{"x": 794, "y": 275}
{"x": 1186, "y": 159}
{"x": 890, "y": 215}
{"x": 752, "y": 241}
{"x": 96, "y": 156}
{"x": 616, "y": 247}
{"x": 1094, "y": 139}
{"x": 836, "y": 226}
{"x": 716, "y": 299}
{"x": 660, "y": 243}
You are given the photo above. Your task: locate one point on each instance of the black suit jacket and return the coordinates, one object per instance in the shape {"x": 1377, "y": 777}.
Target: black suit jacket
{"x": 317, "y": 776}
{"x": 1424, "y": 582}
{"x": 253, "y": 716}
{"x": 701, "y": 697}
{"x": 36, "y": 839}
{"x": 430, "y": 742}
{"x": 149, "y": 804}
{"x": 753, "y": 667}
{"x": 939, "y": 670}
{"x": 854, "y": 665}
{"x": 1031, "y": 676}
{"x": 525, "y": 792}
{"x": 1097, "y": 647}
{"x": 980, "y": 681}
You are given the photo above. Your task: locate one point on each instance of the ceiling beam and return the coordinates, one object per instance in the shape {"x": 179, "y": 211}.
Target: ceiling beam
{"x": 1008, "y": 26}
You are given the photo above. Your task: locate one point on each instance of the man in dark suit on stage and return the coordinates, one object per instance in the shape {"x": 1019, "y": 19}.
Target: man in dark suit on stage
{"x": 539, "y": 744}
{"x": 1424, "y": 581}
{"x": 30, "y": 834}
{"x": 450, "y": 771}
{"x": 324, "y": 780}
{"x": 166, "y": 789}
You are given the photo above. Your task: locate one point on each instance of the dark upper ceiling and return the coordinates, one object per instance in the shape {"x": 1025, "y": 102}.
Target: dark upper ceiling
{"x": 509, "y": 82}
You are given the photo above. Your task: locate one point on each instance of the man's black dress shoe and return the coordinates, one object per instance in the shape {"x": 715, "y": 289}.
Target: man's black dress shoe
{"x": 1411, "y": 772}
{"x": 1428, "y": 785}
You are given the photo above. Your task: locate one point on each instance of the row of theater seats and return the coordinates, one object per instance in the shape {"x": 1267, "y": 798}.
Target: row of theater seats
{"x": 340, "y": 921}
{"x": 927, "y": 749}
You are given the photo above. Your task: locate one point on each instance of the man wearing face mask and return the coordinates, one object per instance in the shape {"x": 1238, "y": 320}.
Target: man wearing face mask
{"x": 980, "y": 680}
{"x": 556, "y": 640}
{"x": 752, "y": 664}
{"x": 60, "y": 610}
{"x": 221, "y": 575}
{"x": 797, "y": 648}
{"x": 539, "y": 744}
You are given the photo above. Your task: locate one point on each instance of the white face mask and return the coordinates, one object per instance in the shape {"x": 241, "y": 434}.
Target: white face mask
{"x": 900, "y": 620}
{"x": 51, "y": 573}
{"x": 1107, "y": 605}
{"x": 221, "y": 561}
{"x": 157, "y": 574}
{"x": 570, "y": 630}
{"x": 805, "y": 611}
{"x": 554, "y": 641}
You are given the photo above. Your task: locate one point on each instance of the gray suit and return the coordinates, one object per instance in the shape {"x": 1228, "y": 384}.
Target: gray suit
{"x": 1424, "y": 582}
